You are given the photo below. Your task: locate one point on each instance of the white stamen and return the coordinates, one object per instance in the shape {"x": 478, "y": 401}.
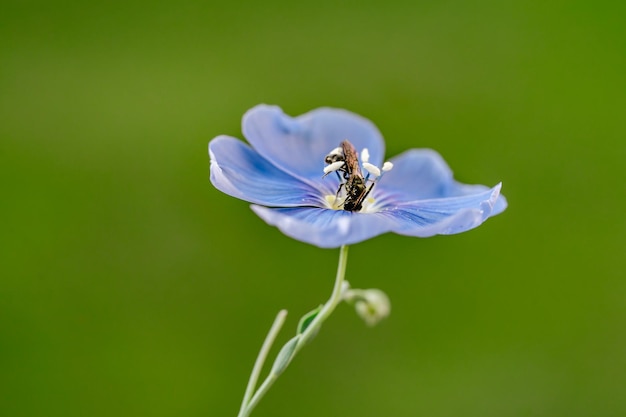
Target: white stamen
{"x": 336, "y": 151}
{"x": 333, "y": 167}
{"x": 372, "y": 169}
{"x": 387, "y": 166}
{"x": 365, "y": 155}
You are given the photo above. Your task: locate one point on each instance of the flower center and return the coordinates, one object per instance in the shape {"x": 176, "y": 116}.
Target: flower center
{"x": 354, "y": 189}
{"x": 335, "y": 202}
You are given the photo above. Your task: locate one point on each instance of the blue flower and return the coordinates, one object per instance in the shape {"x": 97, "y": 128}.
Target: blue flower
{"x": 301, "y": 177}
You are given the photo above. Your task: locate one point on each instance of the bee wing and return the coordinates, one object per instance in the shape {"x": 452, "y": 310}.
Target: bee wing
{"x": 352, "y": 159}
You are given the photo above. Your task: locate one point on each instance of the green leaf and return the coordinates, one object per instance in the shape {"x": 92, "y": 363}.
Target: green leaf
{"x": 284, "y": 356}
{"x": 307, "y": 319}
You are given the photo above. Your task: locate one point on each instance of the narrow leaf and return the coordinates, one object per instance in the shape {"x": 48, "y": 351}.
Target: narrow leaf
{"x": 284, "y": 356}
{"x": 307, "y": 319}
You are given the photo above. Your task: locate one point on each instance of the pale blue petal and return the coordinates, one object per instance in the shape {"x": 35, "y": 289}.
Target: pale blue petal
{"x": 323, "y": 227}
{"x": 420, "y": 174}
{"x": 332, "y": 228}
{"x": 444, "y": 216}
{"x": 298, "y": 145}
{"x": 500, "y": 206}
{"x": 457, "y": 189}
{"x": 417, "y": 174}
{"x": 237, "y": 170}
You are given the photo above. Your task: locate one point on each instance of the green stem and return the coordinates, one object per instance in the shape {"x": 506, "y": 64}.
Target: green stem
{"x": 311, "y": 330}
{"x": 260, "y": 360}
{"x": 333, "y": 301}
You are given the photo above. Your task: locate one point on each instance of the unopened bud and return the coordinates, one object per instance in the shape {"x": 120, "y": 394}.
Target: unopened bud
{"x": 372, "y": 305}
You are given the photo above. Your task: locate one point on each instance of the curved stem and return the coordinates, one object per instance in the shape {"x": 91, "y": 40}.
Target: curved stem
{"x": 311, "y": 330}
{"x": 333, "y": 301}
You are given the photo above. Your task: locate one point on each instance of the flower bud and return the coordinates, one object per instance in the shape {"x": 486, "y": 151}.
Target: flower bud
{"x": 372, "y": 305}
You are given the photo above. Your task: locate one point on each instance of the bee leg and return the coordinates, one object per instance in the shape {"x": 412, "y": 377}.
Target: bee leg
{"x": 339, "y": 190}
{"x": 364, "y": 195}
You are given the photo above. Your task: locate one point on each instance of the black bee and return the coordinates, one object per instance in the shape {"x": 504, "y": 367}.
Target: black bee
{"x": 355, "y": 184}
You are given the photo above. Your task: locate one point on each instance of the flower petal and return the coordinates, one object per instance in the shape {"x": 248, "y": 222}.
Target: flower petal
{"x": 417, "y": 174}
{"x": 458, "y": 189}
{"x": 238, "y": 170}
{"x": 420, "y": 174}
{"x": 332, "y": 228}
{"x": 323, "y": 227}
{"x": 298, "y": 145}
{"x": 445, "y": 216}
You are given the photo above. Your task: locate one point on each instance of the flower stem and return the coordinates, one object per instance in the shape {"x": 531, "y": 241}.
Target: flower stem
{"x": 248, "y": 403}
{"x": 333, "y": 301}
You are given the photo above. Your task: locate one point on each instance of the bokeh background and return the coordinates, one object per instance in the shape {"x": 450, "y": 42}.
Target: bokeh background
{"x": 130, "y": 287}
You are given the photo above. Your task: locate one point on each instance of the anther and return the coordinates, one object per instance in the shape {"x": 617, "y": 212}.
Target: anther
{"x": 365, "y": 155}
{"x": 336, "y": 151}
{"x": 372, "y": 169}
{"x": 387, "y": 166}
{"x": 333, "y": 167}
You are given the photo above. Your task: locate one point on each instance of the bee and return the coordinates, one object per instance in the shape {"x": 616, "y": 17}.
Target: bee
{"x": 355, "y": 184}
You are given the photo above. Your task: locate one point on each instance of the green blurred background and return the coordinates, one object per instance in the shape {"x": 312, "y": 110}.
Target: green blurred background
{"x": 131, "y": 287}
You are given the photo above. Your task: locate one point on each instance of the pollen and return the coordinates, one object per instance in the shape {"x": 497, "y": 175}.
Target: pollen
{"x": 334, "y": 202}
